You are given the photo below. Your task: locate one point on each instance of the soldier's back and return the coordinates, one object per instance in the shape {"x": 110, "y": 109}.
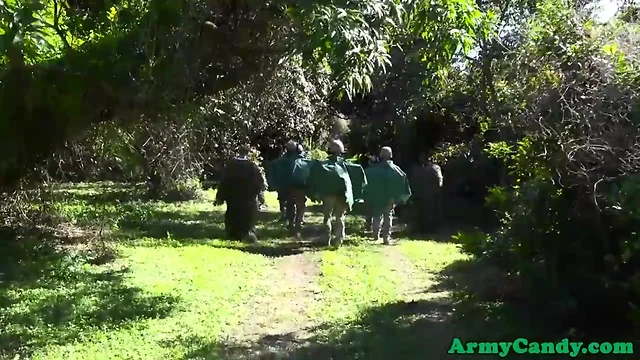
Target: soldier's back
{"x": 244, "y": 176}
{"x": 425, "y": 179}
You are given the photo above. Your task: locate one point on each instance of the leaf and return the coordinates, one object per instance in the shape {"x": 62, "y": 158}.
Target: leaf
{"x": 611, "y": 49}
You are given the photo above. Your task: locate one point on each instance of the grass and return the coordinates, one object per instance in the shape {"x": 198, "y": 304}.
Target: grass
{"x": 173, "y": 289}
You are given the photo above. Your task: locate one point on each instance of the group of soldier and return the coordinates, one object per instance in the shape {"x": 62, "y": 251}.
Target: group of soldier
{"x": 334, "y": 182}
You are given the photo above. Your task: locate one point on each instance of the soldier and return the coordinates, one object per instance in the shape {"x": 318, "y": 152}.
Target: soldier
{"x": 387, "y": 187}
{"x": 372, "y": 160}
{"x": 426, "y": 183}
{"x": 241, "y": 184}
{"x": 302, "y": 154}
{"x": 334, "y": 182}
{"x": 334, "y": 206}
{"x": 293, "y": 168}
{"x": 275, "y": 182}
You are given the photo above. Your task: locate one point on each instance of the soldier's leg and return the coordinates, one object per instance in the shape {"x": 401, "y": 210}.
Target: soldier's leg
{"x": 300, "y": 207}
{"x": 340, "y": 212}
{"x": 437, "y": 211}
{"x": 283, "y": 206}
{"x": 227, "y": 222}
{"x": 241, "y": 220}
{"x": 230, "y": 225}
{"x": 327, "y": 212}
{"x": 376, "y": 224}
{"x": 387, "y": 223}
{"x": 419, "y": 215}
{"x": 290, "y": 208}
{"x": 250, "y": 217}
{"x": 369, "y": 217}
{"x": 429, "y": 214}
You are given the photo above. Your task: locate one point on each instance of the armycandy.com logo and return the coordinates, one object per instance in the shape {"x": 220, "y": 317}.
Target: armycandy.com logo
{"x": 524, "y": 346}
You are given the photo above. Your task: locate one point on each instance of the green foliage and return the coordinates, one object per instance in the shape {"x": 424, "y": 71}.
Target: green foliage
{"x": 499, "y": 150}
{"x": 475, "y": 243}
{"x": 447, "y": 152}
{"x": 317, "y": 154}
{"x": 182, "y": 189}
{"x": 563, "y": 95}
{"x": 128, "y": 60}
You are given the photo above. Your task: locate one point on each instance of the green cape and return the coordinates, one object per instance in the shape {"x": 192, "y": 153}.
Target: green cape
{"x": 386, "y": 182}
{"x": 358, "y": 180}
{"x": 336, "y": 177}
{"x": 288, "y": 170}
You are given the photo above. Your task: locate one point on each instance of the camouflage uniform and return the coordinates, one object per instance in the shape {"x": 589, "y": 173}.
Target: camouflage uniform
{"x": 262, "y": 201}
{"x": 282, "y": 206}
{"x": 334, "y": 210}
{"x": 296, "y": 201}
{"x": 282, "y": 201}
{"x": 241, "y": 185}
{"x": 387, "y": 186}
{"x": 426, "y": 184}
{"x": 334, "y": 207}
{"x": 369, "y": 217}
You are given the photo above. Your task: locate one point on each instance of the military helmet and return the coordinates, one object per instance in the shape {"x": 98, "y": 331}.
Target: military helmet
{"x": 336, "y": 147}
{"x": 386, "y": 153}
{"x": 290, "y": 145}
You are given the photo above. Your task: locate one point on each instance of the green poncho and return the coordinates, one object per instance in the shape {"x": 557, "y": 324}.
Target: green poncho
{"x": 288, "y": 170}
{"x": 358, "y": 180}
{"x": 271, "y": 174}
{"x": 333, "y": 178}
{"x": 386, "y": 182}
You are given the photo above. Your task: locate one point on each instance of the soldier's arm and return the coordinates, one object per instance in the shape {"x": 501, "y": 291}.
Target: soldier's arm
{"x": 265, "y": 183}
{"x": 439, "y": 175}
{"x": 261, "y": 178}
{"x": 221, "y": 192}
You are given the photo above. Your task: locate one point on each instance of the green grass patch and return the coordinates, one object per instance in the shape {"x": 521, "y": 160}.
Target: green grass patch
{"x": 175, "y": 280}
{"x": 177, "y": 290}
{"x": 352, "y": 279}
{"x": 141, "y": 306}
{"x": 431, "y": 256}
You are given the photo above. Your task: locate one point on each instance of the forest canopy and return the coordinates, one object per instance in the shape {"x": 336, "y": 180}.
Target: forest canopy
{"x": 69, "y": 64}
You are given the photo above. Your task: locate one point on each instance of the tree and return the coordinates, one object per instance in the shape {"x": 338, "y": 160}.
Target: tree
{"x": 69, "y": 65}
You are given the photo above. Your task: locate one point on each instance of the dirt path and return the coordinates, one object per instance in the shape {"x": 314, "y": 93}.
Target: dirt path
{"x": 279, "y": 319}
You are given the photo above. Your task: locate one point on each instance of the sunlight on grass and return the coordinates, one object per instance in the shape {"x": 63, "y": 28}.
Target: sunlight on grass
{"x": 432, "y": 256}
{"x": 352, "y": 279}
{"x": 175, "y": 280}
{"x": 210, "y": 286}
{"x": 355, "y": 278}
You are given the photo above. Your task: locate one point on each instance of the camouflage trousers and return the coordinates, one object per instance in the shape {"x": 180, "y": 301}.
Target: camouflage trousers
{"x": 240, "y": 219}
{"x": 382, "y": 221}
{"x": 295, "y": 207}
{"x": 282, "y": 204}
{"x": 334, "y": 209}
{"x": 427, "y": 213}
